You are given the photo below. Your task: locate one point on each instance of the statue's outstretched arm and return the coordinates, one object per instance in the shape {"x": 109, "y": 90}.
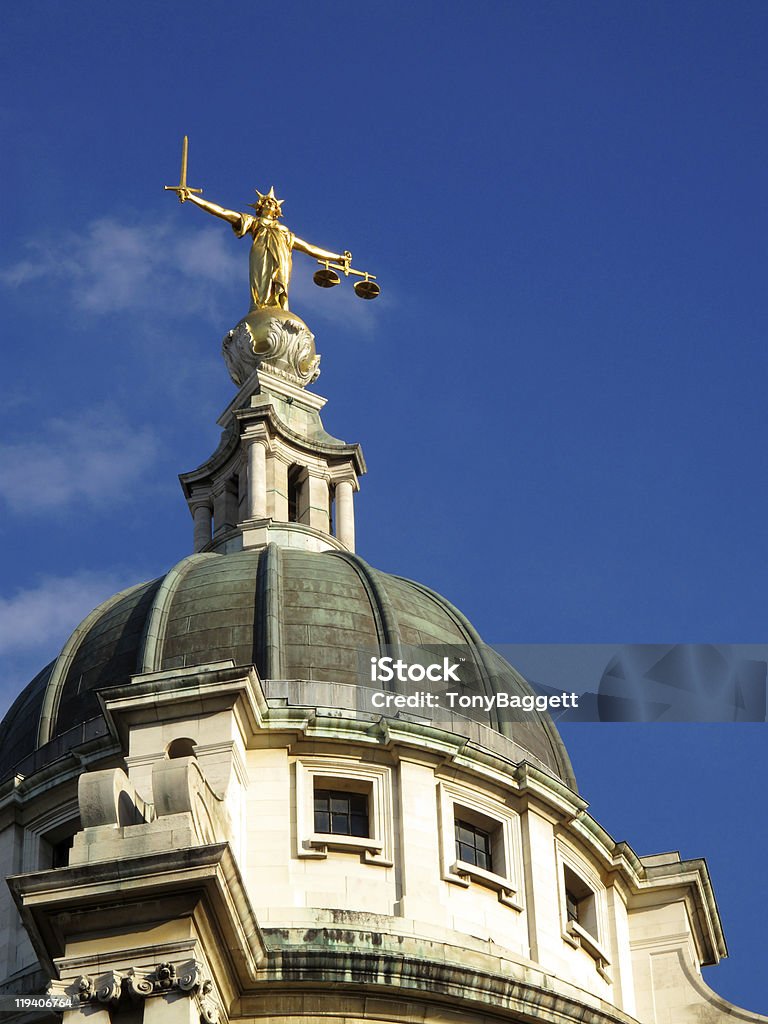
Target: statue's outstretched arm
{"x": 218, "y": 211}
{"x": 319, "y": 254}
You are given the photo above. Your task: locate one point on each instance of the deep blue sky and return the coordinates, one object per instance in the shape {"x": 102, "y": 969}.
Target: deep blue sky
{"x": 560, "y": 393}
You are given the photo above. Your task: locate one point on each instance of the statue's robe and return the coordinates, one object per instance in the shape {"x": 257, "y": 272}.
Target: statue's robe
{"x": 270, "y": 260}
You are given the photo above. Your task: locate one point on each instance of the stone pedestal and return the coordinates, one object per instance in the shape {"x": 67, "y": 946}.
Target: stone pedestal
{"x": 275, "y": 338}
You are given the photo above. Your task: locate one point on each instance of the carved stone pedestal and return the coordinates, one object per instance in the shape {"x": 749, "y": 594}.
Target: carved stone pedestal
{"x": 275, "y": 338}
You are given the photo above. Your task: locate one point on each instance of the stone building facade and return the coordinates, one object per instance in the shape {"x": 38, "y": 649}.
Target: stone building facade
{"x": 205, "y": 815}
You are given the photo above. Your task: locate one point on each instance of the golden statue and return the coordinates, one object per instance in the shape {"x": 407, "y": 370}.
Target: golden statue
{"x": 270, "y": 335}
{"x": 273, "y": 243}
{"x": 270, "y": 259}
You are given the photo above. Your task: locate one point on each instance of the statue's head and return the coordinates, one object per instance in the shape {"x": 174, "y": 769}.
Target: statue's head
{"x": 268, "y": 205}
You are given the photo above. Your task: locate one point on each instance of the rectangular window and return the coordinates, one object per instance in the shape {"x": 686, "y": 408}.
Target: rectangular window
{"x": 480, "y": 842}
{"x": 473, "y": 845}
{"x": 341, "y": 814}
{"x": 344, "y": 805}
{"x": 580, "y": 902}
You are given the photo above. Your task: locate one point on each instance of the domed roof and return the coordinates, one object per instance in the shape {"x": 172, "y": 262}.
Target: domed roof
{"x": 294, "y": 614}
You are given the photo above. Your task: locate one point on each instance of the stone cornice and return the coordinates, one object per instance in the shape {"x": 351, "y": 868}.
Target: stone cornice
{"x": 488, "y": 985}
{"x": 267, "y": 415}
{"x": 56, "y": 905}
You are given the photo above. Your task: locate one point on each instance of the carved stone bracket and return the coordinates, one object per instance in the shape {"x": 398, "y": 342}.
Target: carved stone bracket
{"x": 188, "y": 979}
{"x": 110, "y": 988}
{"x": 138, "y": 986}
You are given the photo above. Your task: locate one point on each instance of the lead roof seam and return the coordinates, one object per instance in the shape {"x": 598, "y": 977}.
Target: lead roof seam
{"x": 152, "y": 641}
{"x": 269, "y": 588}
{"x": 63, "y": 663}
{"x": 475, "y": 641}
{"x": 557, "y": 746}
{"x": 384, "y": 614}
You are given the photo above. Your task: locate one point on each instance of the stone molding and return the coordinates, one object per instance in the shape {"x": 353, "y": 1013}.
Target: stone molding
{"x": 477, "y": 986}
{"x": 375, "y": 780}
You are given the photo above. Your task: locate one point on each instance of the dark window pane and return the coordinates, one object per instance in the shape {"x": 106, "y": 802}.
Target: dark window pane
{"x": 359, "y": 825}
{"x": 322, "y": 821}
{"x": 473, "y": 845}
{"x": 60, "y": 852}
{"x": 341, "y": 814}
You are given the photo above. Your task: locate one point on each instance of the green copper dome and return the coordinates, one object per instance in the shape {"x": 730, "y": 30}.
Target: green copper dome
{"x": 294, "y": 614}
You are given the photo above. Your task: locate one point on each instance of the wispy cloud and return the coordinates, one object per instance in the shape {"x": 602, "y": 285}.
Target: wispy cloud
{"x": 42, "y": 617}
{"x": 35, "y": 623}
{"x": 165, "y": 269}
{"x": 111, "y": 267}
{"x": 91, "y": 458}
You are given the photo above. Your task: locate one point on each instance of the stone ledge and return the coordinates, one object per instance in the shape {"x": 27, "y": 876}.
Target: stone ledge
{"x": 471, "y": 991}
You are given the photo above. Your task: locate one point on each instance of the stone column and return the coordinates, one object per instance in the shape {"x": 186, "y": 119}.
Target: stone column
{"x": 277, "y": 497}
{"x": 345, "y": 514}
{"x": 174, "y": 1008}
{"x": 201, "y": 517}
{"x": 225, "y": 510}
{"x": 256, "y": 503}
{"x": 87, "y": 1014}
{"x": 219, "y": 506}
{"x": 316, "y": 503}
{"x": 301, "y": 483}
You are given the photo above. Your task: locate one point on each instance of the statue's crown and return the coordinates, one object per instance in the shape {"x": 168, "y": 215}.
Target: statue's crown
{"x": 268, "y": 197}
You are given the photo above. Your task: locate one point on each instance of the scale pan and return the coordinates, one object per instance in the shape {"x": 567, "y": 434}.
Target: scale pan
{"x": 367, "y": 289}
{"x": 326, "y": 278}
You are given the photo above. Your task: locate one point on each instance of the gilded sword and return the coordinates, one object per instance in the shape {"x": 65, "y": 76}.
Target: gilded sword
{"x": 182, "y": 187}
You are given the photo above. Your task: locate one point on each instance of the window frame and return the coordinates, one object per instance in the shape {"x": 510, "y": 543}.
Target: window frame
{"x": 349, "y": 813}
{"x": 48, "y": 830}
{"x": 351, "y": 776}
{"x": 457, "y": 803}
{"x": 576, "y": 878}
{"x": 477, "y": 832}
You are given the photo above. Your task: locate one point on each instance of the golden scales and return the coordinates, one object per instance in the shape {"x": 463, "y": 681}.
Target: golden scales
{"x": 327, "y": 277}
